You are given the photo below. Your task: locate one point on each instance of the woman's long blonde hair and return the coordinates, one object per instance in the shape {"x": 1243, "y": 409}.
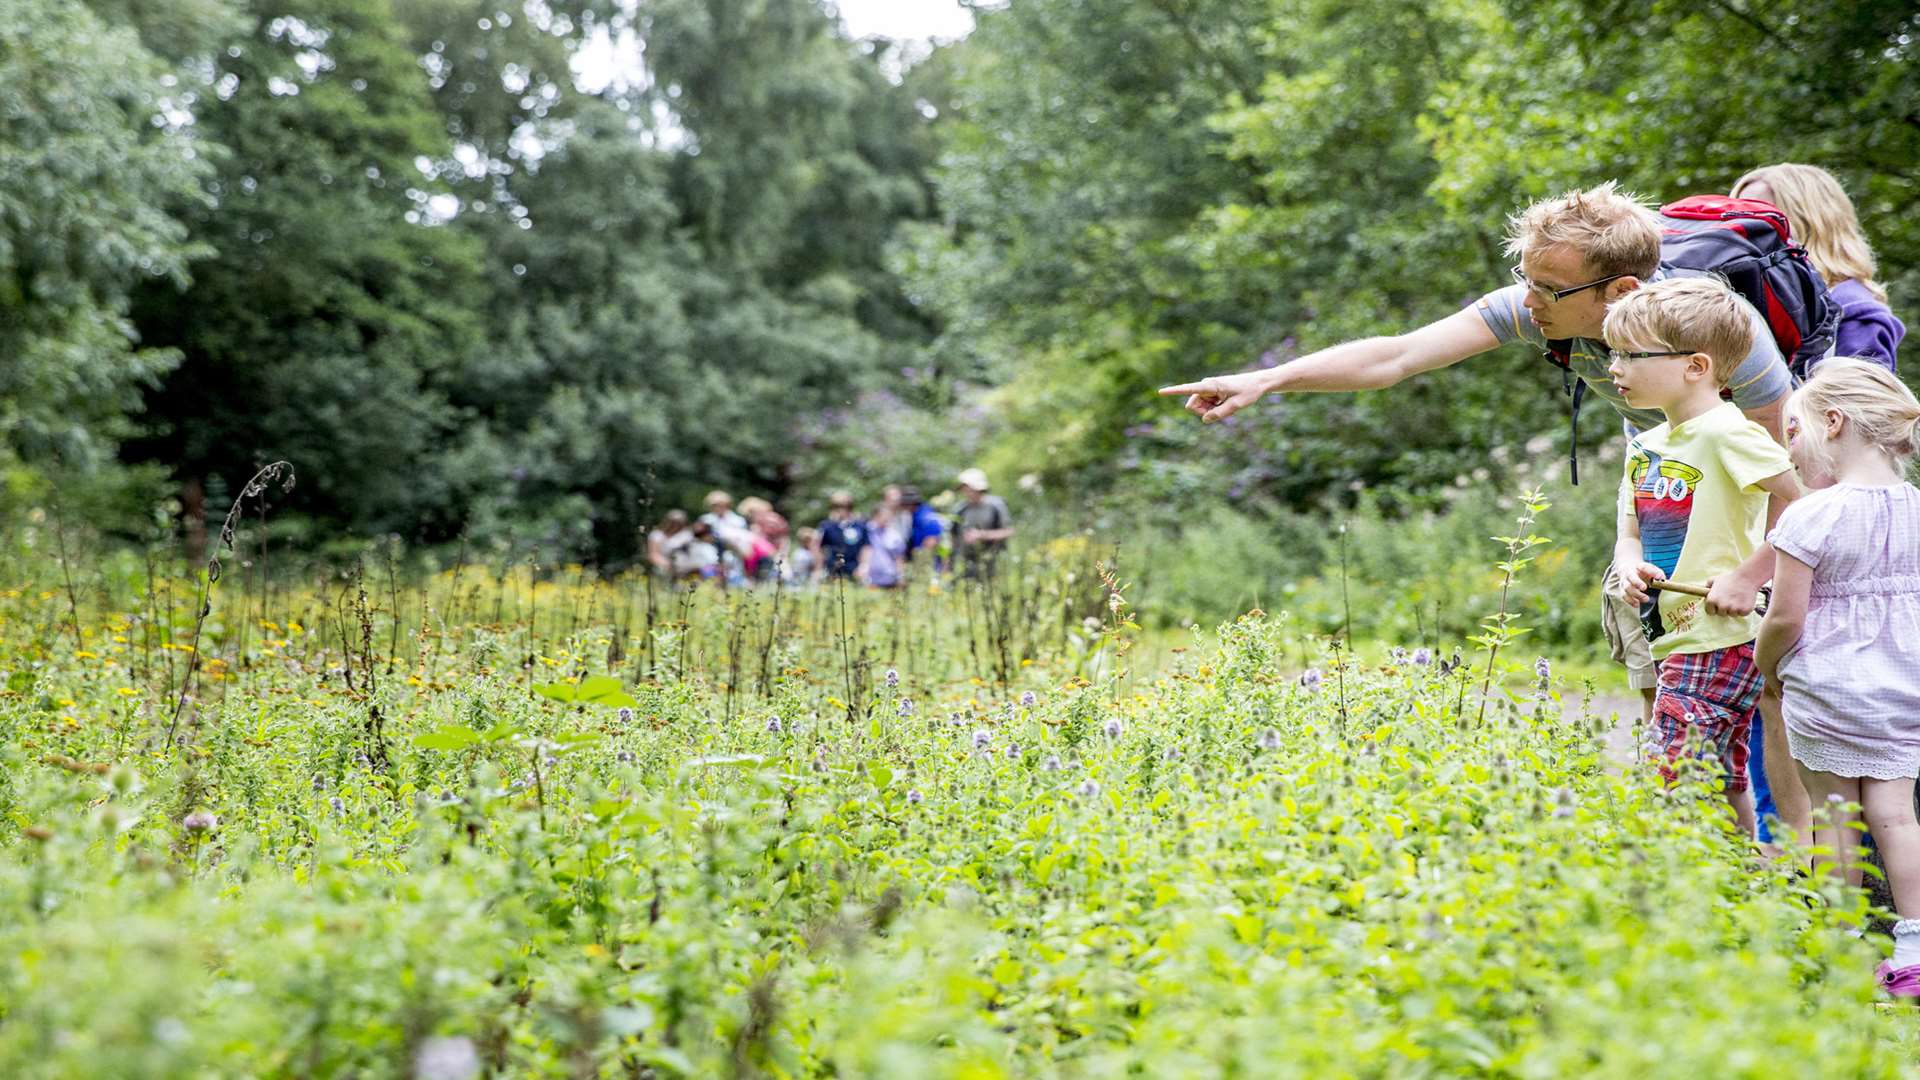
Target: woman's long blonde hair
{"x": 1823, "y": 221}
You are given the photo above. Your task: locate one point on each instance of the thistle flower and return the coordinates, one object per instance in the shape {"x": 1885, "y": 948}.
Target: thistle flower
{"x": 981, "y": 738}
{"x": 444, "y": 1058}
{"x": 1052, "y": 764}
{"x": 913, "y": 797}
{"x": 1310, "y": 678}
{"x": 1089, "y": 788}
{"x": 893, "y": 678}
{"x": 1270, "y": 739}
{"x": 773, "y": 726}
{"x": 1029, "y": 698}
{"x": 1114, "y": 727}
{"x": 200, "y": 821}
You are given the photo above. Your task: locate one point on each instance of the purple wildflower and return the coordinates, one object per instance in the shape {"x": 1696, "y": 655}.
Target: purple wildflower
{"x": 1422, "y": 656}
{"x": 773, "y": 726}
{"x": 981, "y": 738}
{"x": 336, "y": 805}
{"x": 1114, "y": 727}
{"x": 1029, "y": 698}
{"x": 625, "y": 714}
{"x": 906, "y": 706}
{"x": 1052, "y": 764}
{"x": 893, "y": 678}
{"x": 200, "y": 821}
{"x": 1270, "y": 739}
{"x": 913, "y": 797}
{"x": 1013, "y": 751}
{"x": 1089, "y": 788}
{"x": 1310, "y": 678}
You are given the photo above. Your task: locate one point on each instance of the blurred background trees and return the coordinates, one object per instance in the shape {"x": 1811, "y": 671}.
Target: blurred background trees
{"x": 531, "y": 271}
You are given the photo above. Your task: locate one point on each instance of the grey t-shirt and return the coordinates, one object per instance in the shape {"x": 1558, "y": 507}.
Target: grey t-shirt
{"x": 1760, "y": 380}
{"x": 989, "y": 513}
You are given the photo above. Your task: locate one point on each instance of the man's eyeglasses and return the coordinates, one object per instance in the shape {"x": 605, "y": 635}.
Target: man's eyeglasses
{"x": 1552, "y": 295}
{"x": 1620, "y": 356}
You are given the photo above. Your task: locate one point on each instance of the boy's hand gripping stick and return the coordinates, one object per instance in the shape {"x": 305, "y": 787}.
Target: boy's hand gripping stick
{"x": 1759, "y": 607}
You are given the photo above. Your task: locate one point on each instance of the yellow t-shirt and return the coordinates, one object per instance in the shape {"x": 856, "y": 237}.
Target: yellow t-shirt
{"x": 1702, "y": 512}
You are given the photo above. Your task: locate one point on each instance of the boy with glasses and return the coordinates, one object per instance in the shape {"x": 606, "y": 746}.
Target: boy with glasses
{"x": 1701, "y": 491}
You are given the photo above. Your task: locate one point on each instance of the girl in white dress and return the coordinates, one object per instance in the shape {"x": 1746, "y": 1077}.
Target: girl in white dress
{"x": 1842, "y": 637}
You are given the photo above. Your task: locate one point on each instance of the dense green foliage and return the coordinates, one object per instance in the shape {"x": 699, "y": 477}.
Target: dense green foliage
{"x": 579, "y": 828}
{"x": 530, "y": 273}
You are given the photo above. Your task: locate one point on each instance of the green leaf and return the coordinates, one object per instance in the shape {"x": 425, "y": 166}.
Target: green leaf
{"x": 450, "y": 737}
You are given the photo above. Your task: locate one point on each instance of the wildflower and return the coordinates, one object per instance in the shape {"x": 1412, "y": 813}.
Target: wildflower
{"x": 1089, "y": 788}
{"x": 625, "y": 714}
{"x": 893, "y": 678}
{"x": 549, "y": 761}
{"x": 1544, "y": 669}
{"x": 1172, "y": 754}
{"x": 1422, "y": 656}
{"x": 319, "y": 782}
{"x": 1310, "y": 678}
{"x": 956, "y": 718}
{"x": 773, "y": 726}
{"x": 906, "y": 706}
{"x": 1029, "y": 698}
{"x": 1052, "y": 764}
{"x": 1270, "y": 739}
{"x": 625, "y": 757}
{"x": 819, "y": 764}
{"x": 200, "y": 821}
{"x": 519, "y": 784}
{"x": 336, "y": 805}
{"x": 1114, "y": 727}
{"x": 981, "y": 738}
{"x": 1013, "y": 751}
{"x": 913, "y": 797}
{"x": 446, "y": 1058}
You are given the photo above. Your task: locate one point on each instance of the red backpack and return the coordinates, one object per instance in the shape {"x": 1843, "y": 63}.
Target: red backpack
{"x": 1748, "y": 244}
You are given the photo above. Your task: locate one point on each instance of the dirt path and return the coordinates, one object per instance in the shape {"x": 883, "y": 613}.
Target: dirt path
{"x": 1624, "y": 733}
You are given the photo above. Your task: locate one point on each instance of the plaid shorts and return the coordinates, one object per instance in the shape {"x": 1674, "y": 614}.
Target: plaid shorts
{"x": 1705, "y": 700}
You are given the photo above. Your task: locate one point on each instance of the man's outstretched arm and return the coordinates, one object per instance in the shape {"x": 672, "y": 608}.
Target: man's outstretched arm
{"x": 1367, "y": 364}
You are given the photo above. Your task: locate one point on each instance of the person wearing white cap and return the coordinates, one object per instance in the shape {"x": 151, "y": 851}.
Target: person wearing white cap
{"x": 985, "y": 524}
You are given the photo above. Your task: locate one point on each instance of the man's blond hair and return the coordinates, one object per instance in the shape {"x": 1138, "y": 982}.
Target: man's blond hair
{"x": 1615, "y": 231}
{"x": 1690, "y": 314}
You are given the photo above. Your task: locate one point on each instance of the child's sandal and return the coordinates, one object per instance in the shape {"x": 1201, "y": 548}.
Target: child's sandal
{"x": 1902, "y": 983}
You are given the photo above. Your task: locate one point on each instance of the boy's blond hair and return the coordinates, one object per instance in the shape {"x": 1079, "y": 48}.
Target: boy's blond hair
{"x": 1695, "y": 314}
{"x": 1615, "y": 231}
{"x": 1822, "y": 220}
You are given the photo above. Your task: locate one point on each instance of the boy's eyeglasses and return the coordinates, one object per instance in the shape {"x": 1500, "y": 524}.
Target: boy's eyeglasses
{"x": 1621, "y": 357}
{"x": 1552, "y": 295}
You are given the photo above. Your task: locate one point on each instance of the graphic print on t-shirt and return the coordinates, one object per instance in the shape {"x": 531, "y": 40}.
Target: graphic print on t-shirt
{"x": 1663, "y": 503}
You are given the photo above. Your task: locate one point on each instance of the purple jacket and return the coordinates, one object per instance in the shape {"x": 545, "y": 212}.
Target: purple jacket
{"x": 1868, "y": 328}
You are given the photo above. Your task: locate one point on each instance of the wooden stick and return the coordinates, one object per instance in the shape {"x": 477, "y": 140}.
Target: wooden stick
{"x": 1679, "y": 587}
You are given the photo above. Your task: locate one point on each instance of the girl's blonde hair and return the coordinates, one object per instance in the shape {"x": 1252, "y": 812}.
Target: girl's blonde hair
{"x": 1823, "y": 222}
{"x": 1878, "y": 405}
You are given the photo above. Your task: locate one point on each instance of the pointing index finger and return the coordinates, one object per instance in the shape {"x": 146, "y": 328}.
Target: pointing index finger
{"x": 1183, "y": 388}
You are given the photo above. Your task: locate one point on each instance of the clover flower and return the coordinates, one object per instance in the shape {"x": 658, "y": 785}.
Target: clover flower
{"x": 446, "y": 1058}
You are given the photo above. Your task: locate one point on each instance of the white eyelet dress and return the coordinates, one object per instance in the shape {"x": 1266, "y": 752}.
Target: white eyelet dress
{"x": 1852, "y": 683}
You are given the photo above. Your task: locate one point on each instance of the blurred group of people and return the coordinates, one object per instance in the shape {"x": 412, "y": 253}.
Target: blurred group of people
{"x": 900, "y": 536}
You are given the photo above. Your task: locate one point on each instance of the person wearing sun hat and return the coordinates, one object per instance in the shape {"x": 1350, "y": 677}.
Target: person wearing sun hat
{"x": 984, "y": 525}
